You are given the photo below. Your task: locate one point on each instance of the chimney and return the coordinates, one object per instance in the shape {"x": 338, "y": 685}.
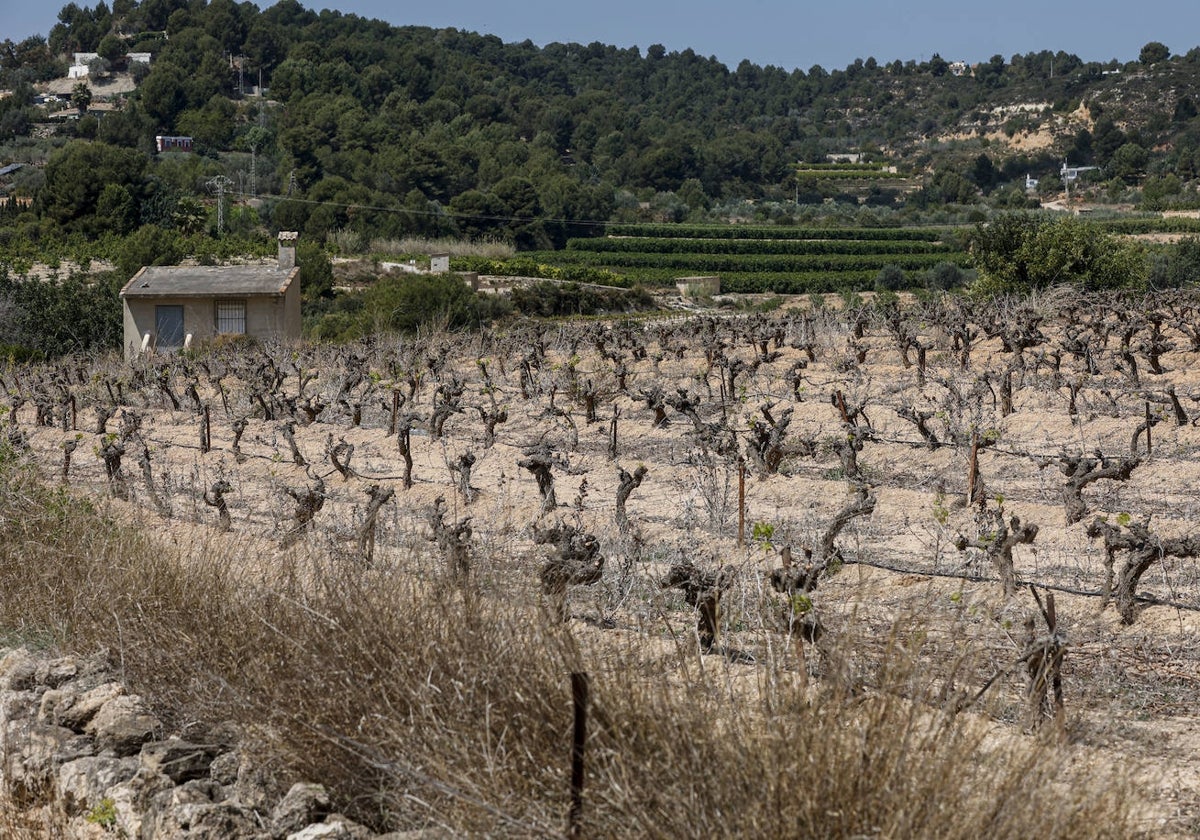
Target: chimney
{"x": 287, "y": 249}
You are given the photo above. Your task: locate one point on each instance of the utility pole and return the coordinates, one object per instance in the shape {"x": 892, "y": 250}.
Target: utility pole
{"x": 220, "y": 183}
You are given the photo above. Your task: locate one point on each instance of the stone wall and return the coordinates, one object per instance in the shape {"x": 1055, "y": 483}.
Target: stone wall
{"x": 84, "y": 758}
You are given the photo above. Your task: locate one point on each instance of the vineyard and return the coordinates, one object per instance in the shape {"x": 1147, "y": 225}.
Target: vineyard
{"x": 759, "y": 259}
{"x": 847, "y": 172}
{"x": 958, "y": 536}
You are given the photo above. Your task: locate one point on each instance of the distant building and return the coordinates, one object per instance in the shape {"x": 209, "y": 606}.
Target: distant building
{"x": 79, "y": 69}
{"x": 169, "y": 143}
{"x": 169, "y": 308}
{"x": 959, "y": 68}
{"x": 697, "y": 287}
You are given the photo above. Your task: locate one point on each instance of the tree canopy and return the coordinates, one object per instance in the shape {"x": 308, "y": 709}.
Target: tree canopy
{"x": 409, "y": 129}
{"x": 1021, "y": 252}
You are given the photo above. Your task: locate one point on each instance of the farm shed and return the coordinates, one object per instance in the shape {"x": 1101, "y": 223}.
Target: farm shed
{"x": 693, "y": 287}
{"x": 167, "y": 308}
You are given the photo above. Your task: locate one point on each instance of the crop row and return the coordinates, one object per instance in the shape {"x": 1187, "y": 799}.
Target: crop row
{"x": 845, "y": 167}
{"x": 672, "y": 231}
{"x": 778, "y": 282}
{"x": 841, "y": 175}
{"x": 797, "y": 283}
{"x": 1174, "y": 224}
{"x": 545, "y": 265}
{"x": 667, "y": 245}
{"x": 759, "y": 262}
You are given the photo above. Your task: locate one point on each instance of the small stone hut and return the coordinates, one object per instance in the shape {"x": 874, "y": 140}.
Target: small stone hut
{"x": 168, "y": 308}
{"x": 693, "y": 287}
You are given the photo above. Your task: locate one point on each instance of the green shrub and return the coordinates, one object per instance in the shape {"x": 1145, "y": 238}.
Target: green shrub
{"x": 890, "y": 279}
{"x": 943, "y": 277}
{"x": 549, "y": 299}
{"x": 412, "y": 302}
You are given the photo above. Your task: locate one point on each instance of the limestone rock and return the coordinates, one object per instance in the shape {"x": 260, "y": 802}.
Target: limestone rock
{"x": 132, "y": 800}
{"x": 82, "y": 783}
{"x": 224, "y": 768}
{"x": 31, "y": 756}
{"x": 322, "y": 831}
{"x": 54, "y": 672}
{"x": 207, "y": 821}
{"x": 302, "y": 805}
{"x": 68, "y": 706}
{"x": 18, "y": 670}
{"x": 122, "y": 725}
{"x": 72, "y": 741}
{"x": 181, "y": 760}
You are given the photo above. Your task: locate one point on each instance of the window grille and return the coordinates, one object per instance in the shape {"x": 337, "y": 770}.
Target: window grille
{"x": 231, "y": 316}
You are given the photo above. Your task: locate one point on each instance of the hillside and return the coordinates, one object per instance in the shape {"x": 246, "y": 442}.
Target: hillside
{"x": 449, "y": 132}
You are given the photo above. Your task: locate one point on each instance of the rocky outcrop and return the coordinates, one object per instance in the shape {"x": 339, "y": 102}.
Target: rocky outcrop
{"x": 75, "y": 744}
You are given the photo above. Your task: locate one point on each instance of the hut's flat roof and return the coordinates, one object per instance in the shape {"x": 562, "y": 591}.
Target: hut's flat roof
{"x": 209, "y": 281}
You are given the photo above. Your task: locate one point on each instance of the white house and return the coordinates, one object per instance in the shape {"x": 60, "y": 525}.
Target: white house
{"x": 79, "y": 69}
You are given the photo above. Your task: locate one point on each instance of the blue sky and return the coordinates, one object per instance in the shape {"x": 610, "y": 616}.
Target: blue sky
{"x": 787, "y": 34}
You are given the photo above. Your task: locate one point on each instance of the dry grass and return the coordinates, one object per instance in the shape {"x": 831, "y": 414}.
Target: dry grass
{"x": 424, "y": 704}
{"x": 490, "y": 248}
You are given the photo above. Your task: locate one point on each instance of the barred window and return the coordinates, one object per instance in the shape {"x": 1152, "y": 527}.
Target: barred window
{"x": 231, "y": 316}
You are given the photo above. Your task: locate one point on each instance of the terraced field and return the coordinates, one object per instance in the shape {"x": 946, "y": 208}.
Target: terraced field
{"x": 749, "y": 259}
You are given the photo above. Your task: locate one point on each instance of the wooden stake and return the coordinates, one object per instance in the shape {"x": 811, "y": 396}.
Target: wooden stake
{"x": 579, "y": 698}
{"x": 205, "y": 432}
{"x": 973, "y": 469}
{"x": 395, "y": 410}
{"x": 840, "y": 402}
{"x": 741, "y": 502}
{"x": 1149, "y": 445}
{"x": 612, "y": 440}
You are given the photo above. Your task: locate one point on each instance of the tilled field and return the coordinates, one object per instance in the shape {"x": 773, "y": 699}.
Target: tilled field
{"x": 905, "y": 411}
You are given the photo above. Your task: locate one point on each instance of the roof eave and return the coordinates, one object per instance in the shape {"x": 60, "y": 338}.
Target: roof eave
{"x": 292, "y": 275}
{"x": 132, "y": 280}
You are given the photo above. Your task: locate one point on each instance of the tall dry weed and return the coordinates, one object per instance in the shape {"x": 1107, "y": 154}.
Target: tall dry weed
{"x": 423, "y": 704}
{"x": 490, "y": 248}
